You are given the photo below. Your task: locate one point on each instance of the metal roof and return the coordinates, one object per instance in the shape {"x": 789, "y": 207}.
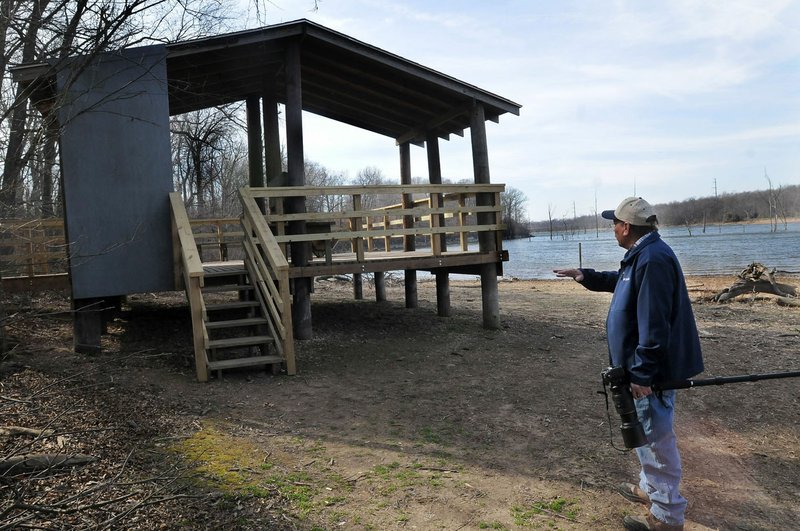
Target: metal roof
{"x": 342, "y": 79}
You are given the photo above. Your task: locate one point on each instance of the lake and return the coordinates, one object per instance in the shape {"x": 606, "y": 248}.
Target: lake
{"x": 725, "y": 250}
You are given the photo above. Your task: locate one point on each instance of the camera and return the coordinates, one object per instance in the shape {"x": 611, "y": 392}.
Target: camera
{"x": 632, "y": 431}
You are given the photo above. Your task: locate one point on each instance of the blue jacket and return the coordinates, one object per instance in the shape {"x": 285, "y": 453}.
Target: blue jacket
{"x": 650, "y": 326}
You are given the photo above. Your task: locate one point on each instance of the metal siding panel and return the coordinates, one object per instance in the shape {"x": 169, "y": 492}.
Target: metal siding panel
{"x": 117, "y": 174}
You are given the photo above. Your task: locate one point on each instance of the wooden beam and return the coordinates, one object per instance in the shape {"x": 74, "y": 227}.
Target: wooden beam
{"x": 424, "y": 130}
{"x": 427, "y": 263}
{"x": 255, "y": 150}
{"x": 301, "y": 307}
{"x": 490, "y": 301}
{"x": 447, "y": 189}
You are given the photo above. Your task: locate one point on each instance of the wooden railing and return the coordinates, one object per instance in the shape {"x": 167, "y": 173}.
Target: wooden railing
{"x": 32, "y": 247}
{"x": 443, "y": 210}
{"x": 189, "y": 275}
{"x": 218, "y": 239}
{"x": 269, "y": 272}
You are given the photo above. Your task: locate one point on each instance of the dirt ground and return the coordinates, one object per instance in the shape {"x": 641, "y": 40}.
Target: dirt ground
{"x": 397, "y": 418}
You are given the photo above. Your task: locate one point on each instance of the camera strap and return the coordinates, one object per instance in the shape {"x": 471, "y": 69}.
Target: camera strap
{"x": 604, "y": 392}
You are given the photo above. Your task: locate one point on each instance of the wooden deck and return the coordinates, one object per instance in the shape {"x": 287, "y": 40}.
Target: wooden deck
{"x": 375, "y": 261}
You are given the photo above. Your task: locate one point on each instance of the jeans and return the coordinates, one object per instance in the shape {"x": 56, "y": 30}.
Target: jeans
{"x": 661, "y": 463}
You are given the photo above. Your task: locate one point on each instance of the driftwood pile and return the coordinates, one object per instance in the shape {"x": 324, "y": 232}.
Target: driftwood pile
{"x": 756, "y": 278}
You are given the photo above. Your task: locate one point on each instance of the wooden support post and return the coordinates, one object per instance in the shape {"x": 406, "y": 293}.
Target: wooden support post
{"x": 490, "y": 297}
{"x": 255, "y": 147}
{"x": 87, "y": 325}
{"x": 480, "y": 164}
{"x": 435, "y": 222}
{"x": 411, "y": 288}
{"x": 272, "y": 140}
{"x": 358, "y": 287}
{"x": 462, "y": 220}
{"x": 111, "y": 308}
{"x": 442, "y": 293}
{"x": 355, "y": 226}
{"x": 440, "y": 246}
{"x": 410, "y": 277}
{"x": 435, "y": 177}
{"x": 380, "y": 286}
{"x": 387, "y": 240}
{"x": 301, "y": 307}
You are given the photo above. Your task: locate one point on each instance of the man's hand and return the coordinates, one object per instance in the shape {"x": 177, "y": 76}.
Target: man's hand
{"x": 572, "y": 273}
{"x": 639, "y": 391}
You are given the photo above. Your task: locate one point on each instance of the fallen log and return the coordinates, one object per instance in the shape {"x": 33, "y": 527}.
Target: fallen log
{"x": 756, "y": 278}
{"x": 11, "y": 431}
{"x": 24, "y": 464}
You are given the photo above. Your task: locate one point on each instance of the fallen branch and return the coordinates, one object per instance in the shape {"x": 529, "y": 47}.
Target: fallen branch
{"x": 20, "y": 464}
{"x": 756, "y": 278}
{"x": 11, "y": 431}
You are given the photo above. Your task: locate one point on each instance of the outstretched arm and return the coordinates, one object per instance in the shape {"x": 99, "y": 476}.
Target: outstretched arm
{"x": 576, "y": 274}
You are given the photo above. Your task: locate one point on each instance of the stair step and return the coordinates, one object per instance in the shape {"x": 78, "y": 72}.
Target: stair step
{"x": 227, "y": 287}
{"x": 233, "y": 323}
{"x": 245, "y": 341}
{"x": 231, "y": 305}
{"x": 243, "y": 362}
{"x": 227, "y": 272}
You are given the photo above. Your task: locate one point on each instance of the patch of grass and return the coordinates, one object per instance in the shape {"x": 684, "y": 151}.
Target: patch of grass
{"x": 235, "y": 467}
{"x": 227, "y": 462}
{"x": 523, "y": 516}
{"x": 316, "y": 449}
{"x": 298, "y": 488}
{"x": 430, "y": 436}
{"x": 385, "y": 470}
{"x": 334, "y": 500}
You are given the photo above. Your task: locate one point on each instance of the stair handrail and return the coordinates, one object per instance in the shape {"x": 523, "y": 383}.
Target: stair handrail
{"x": 189, "y": 276}
{"x": 269, "y": 271}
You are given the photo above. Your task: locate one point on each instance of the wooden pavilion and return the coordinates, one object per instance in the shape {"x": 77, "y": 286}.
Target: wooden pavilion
{"x": 113, "y": 124}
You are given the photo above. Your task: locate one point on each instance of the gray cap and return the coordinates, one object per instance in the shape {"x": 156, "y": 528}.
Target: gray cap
{"x": 633, "y": 210}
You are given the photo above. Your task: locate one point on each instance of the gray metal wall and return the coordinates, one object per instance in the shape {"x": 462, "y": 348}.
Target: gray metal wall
{"x": 117, "y": 173}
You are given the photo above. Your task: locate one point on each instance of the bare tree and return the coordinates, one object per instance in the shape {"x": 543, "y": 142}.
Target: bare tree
{"x": 51, "y": 31}
{"x": 513, "y": 207}
{"x": 373, "y": 176}
{"x": 208, "y": 156}
{"x": 319, "y": 176}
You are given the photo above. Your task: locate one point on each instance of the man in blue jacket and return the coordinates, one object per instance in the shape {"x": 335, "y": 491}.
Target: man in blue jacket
{"x": 652, "y": 334}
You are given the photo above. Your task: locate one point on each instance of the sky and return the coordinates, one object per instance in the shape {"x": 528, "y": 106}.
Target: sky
{"x": 665, "y": 100}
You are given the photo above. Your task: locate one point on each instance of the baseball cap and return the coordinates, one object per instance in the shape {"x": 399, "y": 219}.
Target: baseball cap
{"x": 633, "y": 210}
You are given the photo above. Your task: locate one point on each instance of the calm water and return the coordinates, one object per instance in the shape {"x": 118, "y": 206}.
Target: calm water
{"x": 720, "y": 250}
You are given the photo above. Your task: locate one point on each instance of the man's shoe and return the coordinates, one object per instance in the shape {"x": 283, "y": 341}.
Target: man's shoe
{"x": 640, "y": 523}
{"x": 633, "y": 493}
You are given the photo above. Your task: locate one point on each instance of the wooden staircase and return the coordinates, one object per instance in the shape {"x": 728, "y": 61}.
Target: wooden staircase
{"x": 236, "y": 332}
{"x": 241, "y": 311}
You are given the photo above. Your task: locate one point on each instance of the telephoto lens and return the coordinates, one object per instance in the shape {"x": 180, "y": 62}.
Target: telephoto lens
{"x": 632, "y": 431}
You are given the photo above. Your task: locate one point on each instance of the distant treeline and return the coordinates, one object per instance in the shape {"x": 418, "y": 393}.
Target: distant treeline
{"x": 774, "y": 205}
